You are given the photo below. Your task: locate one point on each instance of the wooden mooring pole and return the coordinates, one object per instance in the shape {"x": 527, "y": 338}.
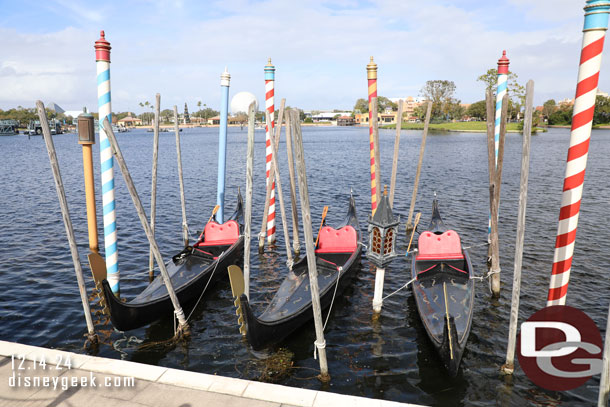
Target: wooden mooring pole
{"x": 275, "y": 140}
{"x": 185, "y": 227}
{"x": 396, "y": 149}
{"x": 509, "y": 366}
{"x": 65, "y": 213}
{"x": 320, "y": 343}
{"x": 182, "y": 324}
{"x": 249, "y": 191}
{"x": 153, "y": 188}
{"x": 293, "y": 192}
{"x": 276, "y": 170}
{"x": 422, "y": 148}
{"x": 495, "y": 177}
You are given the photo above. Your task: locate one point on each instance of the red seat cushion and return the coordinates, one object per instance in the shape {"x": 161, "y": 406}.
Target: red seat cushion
{"x": 215, "y": 234}
{"x": 446, "y": 246}
{"x": 344, "y": 240}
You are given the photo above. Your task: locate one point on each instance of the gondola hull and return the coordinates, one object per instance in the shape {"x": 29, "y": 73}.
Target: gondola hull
{"x": 131, "y": 315}
{"x": 291, "y": 307}
{"x": 443, "y": 288}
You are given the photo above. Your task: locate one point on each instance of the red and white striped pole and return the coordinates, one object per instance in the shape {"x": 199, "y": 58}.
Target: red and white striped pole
{"x": 371, "y": 75}
{"x": 596, "y": 24}
{"x": 269, "y": 105}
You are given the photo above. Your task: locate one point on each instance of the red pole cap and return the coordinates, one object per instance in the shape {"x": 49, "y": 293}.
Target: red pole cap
{"x": 503, "y": 64}
{"x": 102, "y": 48}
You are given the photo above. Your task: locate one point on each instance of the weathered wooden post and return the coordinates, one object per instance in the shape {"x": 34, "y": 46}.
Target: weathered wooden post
{"x": 182, "y": 324}
{"x": 422, "y": 148}
{"x": 102, "y": 57}
{"x": 270, "y": 186}
{"x": 293, "y": 193}
{"x": 225, "y": 79}
{"x": 594, "y": 33}
{"x": 371, "y": 74}
{"x": 249, "y": 191}
{"x": 382, "y": 244}
{"x": 396, "y": 149}
{"x": 604, "y": 383}
{"x": 185, "y": 227}
{"x": 320, "y": 343}
{"x": 153, "y": 188}
{"x": 276, "y": 170}
{"x": 495, "y": 178}
{"x": 65, "y": 212}
{"x": 509, "y": 366}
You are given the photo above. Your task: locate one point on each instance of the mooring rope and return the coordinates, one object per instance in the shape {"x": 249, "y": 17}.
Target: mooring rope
{"x": 204, "y": 289}
{"x": 339, "y": 270}
{"x": 401, "y": 288}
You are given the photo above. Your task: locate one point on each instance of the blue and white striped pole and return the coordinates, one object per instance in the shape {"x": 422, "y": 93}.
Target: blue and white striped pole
{"x": 500, "y": 92}
{"x": 225, "y": 80}
{"x": 102, "y": 57}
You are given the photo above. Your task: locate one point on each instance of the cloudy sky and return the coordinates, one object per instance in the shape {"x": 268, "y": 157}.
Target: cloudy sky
{"x": 320, "y": 48}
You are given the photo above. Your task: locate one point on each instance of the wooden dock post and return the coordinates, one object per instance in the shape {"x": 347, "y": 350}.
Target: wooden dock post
{"x": 293, "y": 192}
{"x": 509, "y": 366}
{"x": 604, "y": 383}
{"x": 249, "y": 191}
{"x": 276, "y": 170}
{"x": 65, "y": 213}
{"x": 153, "y": 188}
{"x": 270, "y": 183}
{"x": 320, "y": 343}
{"x": 396, "y": 150}
{"x": 182, "y": 324}
{"x": 495, "y": 177}
{"x": 422, "y": 148}
{"x": 185, "y": 227}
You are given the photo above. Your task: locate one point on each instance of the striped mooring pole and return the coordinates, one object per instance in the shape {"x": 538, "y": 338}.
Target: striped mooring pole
{"x": 269, "y": 105}
{"x": 501, "y": 90}
{"x": 102, "y": 58}
{"x": 225, "y": 80}
{"x": 594, "y": 32}
{"x": 371, "y": 74}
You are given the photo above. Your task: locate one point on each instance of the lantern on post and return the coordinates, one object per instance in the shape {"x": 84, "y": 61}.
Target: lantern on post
{"x": 382, "y": 243}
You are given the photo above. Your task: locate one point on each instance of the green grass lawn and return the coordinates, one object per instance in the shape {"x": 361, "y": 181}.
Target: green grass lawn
{"x": 457, "y": 126}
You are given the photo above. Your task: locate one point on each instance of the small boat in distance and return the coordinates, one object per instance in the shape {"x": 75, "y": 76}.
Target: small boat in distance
{"x": 190, "y": 271}
{"x": 443, "y": 287}
{"x": 337, "y": 257}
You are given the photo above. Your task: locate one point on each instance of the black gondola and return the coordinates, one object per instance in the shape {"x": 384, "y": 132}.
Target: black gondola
{"x": 197, "y": 266}
{"x": 337, "y": 256}
{"x": 444, "y": 290}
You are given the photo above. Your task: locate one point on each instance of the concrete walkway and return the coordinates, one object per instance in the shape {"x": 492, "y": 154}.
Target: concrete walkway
{"x": 100, "y": 382}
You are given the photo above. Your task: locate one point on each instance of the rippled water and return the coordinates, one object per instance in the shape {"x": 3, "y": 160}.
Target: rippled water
{"x": 389, "y": 359}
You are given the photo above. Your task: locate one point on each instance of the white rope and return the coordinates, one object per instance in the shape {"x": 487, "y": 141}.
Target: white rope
{"x": 318, "y": 345}
{"x": 404, "y": 286}
{"x": 206, "y": 286}
{"x": 340, "y": 269}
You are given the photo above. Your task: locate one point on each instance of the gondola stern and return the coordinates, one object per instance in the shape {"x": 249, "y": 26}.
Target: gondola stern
{"x": 451, "y": 350}
{"x": 254, "y": 328}
{"x": 120, "y": 315}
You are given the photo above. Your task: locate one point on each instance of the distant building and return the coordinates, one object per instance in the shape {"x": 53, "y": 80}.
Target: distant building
{"x": 129, "y": 121}
{"x": 345, "y": 121}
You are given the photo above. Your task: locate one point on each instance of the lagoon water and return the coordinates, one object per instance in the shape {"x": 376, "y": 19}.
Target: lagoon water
{"x": 390, "y": 359}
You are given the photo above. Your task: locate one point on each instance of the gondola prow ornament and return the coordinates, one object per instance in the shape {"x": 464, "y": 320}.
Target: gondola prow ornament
{"x": 382, "y": 244}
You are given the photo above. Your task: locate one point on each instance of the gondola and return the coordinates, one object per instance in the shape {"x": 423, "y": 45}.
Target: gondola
{"x": 197, "y": 266}
{"x": 443, "y": 287}
{"x": 337, "y": 257}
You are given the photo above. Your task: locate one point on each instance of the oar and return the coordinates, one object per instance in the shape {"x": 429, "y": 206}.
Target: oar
{"x": 216, "y": 208}
{"x": 448, "y": 324}
{"x": 324, "y": 212}
{"x": 417, "y": 218}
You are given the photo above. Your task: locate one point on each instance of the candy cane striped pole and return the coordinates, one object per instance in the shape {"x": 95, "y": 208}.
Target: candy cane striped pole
{"x": 102, "y": 57}
{"x": 594, "y": 32}
{"x": 269, "y": 105}
{"x": 371, "y": 74}
{"x": 501, "y": 90}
